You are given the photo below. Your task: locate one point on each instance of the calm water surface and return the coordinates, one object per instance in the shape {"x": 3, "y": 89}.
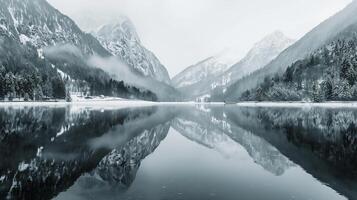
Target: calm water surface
{"x": 178, "y": 152}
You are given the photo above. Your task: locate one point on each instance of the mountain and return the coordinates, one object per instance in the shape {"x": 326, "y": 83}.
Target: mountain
{"x": 218, "y": 72}
{"x": 260, "y": 55}
{"x": 333, "y": 29}
{"x": 328, "y": 74}
{"x": 44, "y": 54}
{"x": 206, "y": 69}
{"x": 37, "y": 23}
{"x": 122, "y": 40}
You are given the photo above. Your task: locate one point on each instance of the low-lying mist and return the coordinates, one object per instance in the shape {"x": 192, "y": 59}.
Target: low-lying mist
{"x": 115, "y": 67}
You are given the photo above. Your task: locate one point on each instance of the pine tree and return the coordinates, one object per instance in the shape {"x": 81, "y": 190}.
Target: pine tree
{"x": 68, "y": 96}
{"x": 345, "y": 65}
{"x": 47, "y": 88}
{"x": 26, "y": 97}
{"x": 316, "y": 94}
{"x": 10, "y": 85}
{"x": 327, "y": 89}
{"x": 59, "y": 88}
{"x": 351, "y": 75}
{"x": 259, "y": 94}
{"x": 344, "y": 91}
{"x": 2, "y": 85}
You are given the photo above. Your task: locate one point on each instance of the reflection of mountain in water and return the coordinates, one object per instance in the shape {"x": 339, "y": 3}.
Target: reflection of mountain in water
{"x": 46, "y": 150}
{"x": 121, "y": 165}
{"x": 322, "y": 141}
{"x": 202, "y": 127}
{"x": 117, "y": 170}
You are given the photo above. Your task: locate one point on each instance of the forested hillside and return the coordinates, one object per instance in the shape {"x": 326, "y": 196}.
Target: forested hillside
{"x": 328, "y": 74}
{"x": 338, "y": 27}
{"x": 44, "y": 55}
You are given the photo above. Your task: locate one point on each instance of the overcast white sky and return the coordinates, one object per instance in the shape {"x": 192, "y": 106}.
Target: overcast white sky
{"x": 183, "y": 32}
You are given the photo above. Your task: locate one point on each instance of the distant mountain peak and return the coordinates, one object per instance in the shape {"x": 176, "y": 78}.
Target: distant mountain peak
{"x": 228, "y": 66}
{"x": 122, "y": 28}
{"x": 274, "y": 39}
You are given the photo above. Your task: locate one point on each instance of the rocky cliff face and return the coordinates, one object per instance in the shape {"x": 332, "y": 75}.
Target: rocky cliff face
{"x": 122, "y": 40}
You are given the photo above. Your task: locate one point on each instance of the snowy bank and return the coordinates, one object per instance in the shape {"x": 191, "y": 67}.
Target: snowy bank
{"x": 332, "y": 104}
{"x": 92, "y": 103}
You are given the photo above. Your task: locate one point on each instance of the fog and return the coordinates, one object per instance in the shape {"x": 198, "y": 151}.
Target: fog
{"x": 59, "y": 51}
{"x": 183, "y": 32}
{"x": 112, "y": 65}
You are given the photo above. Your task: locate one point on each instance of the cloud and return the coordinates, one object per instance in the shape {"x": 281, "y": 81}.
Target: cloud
{"x": 112, "y": 65}
{"x": 63, "y": 51}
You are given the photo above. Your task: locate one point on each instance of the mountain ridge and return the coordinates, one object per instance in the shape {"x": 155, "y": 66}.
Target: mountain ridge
{"x": 208, "y": 76}
{"x": 322, "y": 34}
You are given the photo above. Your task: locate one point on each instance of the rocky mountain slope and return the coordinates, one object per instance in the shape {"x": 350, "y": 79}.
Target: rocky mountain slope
{"x": 122, "y": 40}
{"x": 44, "y": 54}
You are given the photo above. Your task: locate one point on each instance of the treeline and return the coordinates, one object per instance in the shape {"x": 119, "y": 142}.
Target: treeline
{"x": 35, "y": 86}
{"x": 31, "y": 85}
{"x": 329, "y": 74}
{"x": 95, "y": 81}
{"x": 115, "y": 88}
{"x": 33, "y": 79}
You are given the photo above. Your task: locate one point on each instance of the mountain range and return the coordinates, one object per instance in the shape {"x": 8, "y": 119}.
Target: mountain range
{"x": 218, "y": 72}
{"x": 44, "y": 54}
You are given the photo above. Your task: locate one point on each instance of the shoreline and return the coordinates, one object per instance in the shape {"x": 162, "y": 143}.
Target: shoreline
{"x": 138, "y": 103}
{"x": 97, "y": 103}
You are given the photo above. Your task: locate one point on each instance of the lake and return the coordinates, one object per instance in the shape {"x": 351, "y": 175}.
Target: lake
{"x": 179, "y": 152}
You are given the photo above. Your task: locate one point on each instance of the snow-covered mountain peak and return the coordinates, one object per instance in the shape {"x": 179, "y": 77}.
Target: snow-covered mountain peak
{"x": 258, "y": 57}
{"x": 37, "y": 23}
{"x": 262, "y": 53}
{"x": 123, "y": 28}
{"x": 275, "y": 40}
{"x": 121, "y": 39}
{"x": 207, "y": 68}
{"x": 227, "y": 66}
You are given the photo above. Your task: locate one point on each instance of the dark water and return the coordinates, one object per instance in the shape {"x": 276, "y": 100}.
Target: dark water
{"x": 178, "y": 152}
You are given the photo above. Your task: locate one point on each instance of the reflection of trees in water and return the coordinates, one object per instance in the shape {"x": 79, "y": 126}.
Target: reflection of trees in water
{"x": 40, "y": 162}
{"x": 322, "y": 141}
{"x": 329, "y": 134}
